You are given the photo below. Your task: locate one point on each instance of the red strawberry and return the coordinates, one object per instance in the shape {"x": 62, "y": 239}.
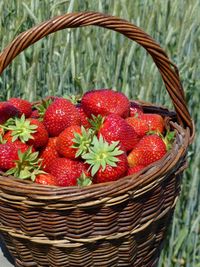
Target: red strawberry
{"x": 40, "y": 136}
{"x": 27, "y": 166}
{"x": 135, "y": 109}
{"x": 67, "y": 171}
{"x": 116, "y": 128}
{"x": 155, "y": 122}
{"x": 65, "y": 141}
{"x": 84, "y": 118}
{"x": 135, "y": 169}
{"x": 49, "y": 154}
{"x": 7, "y": 110}
{"x": 104, "y": 102}
{"x": 8, "y": 136}
{"x": 41, "y": 107}
{"x": 108, "y": 162}
{"x": 52, "y": 143}
{"x": 112, "y": 173}
{"x": 73, "y": 141}
{"x": 22, "y": 105}
{"x": 60, "y": 115}
{"x": 141, "y": 127}
{"x": 35, "y": 114}
{"x": 22, "y": 146}
{"x": 148, "y": 150}
{"x": 30, "y": 131}
{"x": 18, "y": 144}
{"x": 45, "y": 179}
{"x": 8, "y": 154}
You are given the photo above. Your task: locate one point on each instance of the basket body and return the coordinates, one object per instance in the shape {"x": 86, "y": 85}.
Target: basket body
{"x": 117, "y": 224}
{"x": 124, "y": 228}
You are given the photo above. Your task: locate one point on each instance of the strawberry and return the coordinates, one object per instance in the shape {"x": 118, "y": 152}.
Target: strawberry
{"x": 30, "y": 131}
{"x": 84, "y": 118}
{"x": 60, "y": 115}
{"x": 45, "y": 179}
{"x": 110, "y": 173}
{"x": 49, "y": 154}
{"x": 20, "y": 128}
{"x": 140, "y": 127}
{"x": 7, "y": 137}
{"x": 27, "y": 166}
{"x": 107, "y": 161}
{"x": 7, "y": 110}
{"x": 115, "y": 128}
{"x": 65, "y": 142}
{"x": 41, "y": 107}
{"x": 135, "y": 109}
{"x": 22, "y": 146}
{"x": 67, "y": 171}
{"x": 155, "y": 122}
{"x": 40, "y": 136}
{"x": 135, "y": 169}
{"x": 8, "y": 155}
{"x": 22, "y": 105}
{"x": 105, "y": 102}
{"x": 35, "y": 114}
{"x": 148, "y": 150}
{"x": 73, "y": 141}
{"x": 52, "y": 143}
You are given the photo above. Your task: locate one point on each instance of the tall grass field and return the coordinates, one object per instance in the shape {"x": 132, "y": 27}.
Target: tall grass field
{"x": 76, "y": 60}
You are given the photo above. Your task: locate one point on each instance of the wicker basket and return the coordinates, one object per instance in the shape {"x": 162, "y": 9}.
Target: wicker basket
{"x": 122, "y": 223}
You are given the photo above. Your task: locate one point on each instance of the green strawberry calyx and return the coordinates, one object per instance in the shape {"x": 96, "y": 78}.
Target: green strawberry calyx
{"x": 74, "y": 99}
{"x": 82, "y": 141}
{"x": 28, "y": 166}
{"x": 2, "y": 141}
{"x": 96, "y": 122}
{"x": 84, "y": 180}
{"x": 21, "y": 128}
{"x": 169, "y": 139}
{"x": 42, "y": 107}
{"x": 101, "y": 154}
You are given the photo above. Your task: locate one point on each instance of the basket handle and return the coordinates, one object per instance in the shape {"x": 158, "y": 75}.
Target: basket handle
{"x": 168, "y": 70}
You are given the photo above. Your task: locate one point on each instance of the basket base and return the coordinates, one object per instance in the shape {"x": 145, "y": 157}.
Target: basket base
{"x": 18, "y": 263}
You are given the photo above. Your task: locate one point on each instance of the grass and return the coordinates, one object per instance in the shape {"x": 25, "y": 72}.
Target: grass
{"x": 78, "y": 60}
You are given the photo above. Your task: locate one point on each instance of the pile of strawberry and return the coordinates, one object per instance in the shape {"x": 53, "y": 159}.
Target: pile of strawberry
{"x": 101, "y": 138}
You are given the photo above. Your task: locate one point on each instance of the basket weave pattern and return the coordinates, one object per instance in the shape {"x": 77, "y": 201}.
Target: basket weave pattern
{"x": 122, "y": 223}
